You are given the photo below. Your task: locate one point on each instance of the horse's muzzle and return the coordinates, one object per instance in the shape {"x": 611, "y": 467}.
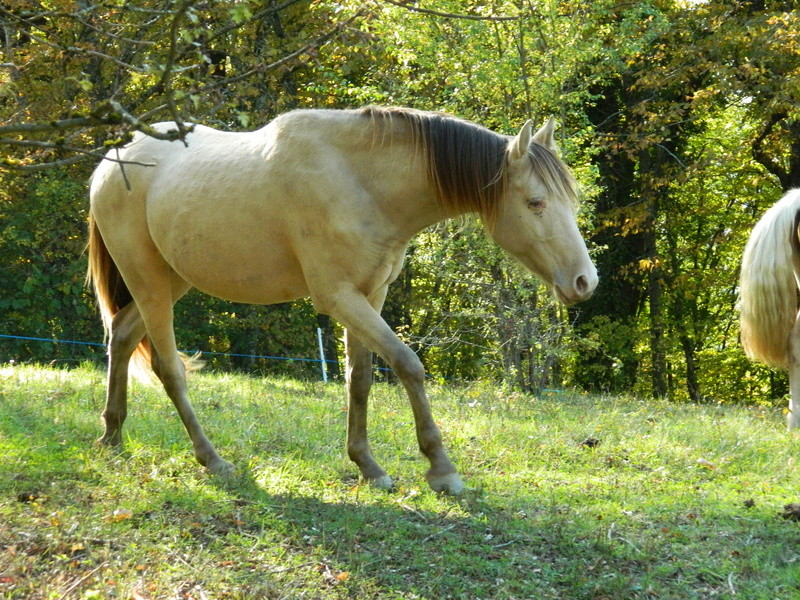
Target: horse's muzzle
{"x": 578, "y": 290}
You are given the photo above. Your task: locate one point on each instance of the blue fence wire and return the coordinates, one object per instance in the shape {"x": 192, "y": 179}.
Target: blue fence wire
{"x": 316, "y": 360}
{"x": 56, "y": 341}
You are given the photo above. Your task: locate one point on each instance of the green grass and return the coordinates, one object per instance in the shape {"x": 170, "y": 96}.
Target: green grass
{"x": 676, "y": 501}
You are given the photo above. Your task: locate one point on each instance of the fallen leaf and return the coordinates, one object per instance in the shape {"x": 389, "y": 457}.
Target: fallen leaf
{"x": 121, "y": 514}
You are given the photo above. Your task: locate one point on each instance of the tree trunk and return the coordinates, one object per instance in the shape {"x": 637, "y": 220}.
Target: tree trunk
{"x": 692, "y": 384}
{"x": 609, "y": 363}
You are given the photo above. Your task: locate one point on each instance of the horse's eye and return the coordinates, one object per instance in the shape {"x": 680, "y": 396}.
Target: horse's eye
{"x": 536, "y": 203}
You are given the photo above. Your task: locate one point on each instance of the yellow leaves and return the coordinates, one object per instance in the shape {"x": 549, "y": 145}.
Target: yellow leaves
{"x": 631, "y": 226}
{"x": 121, "y": 514}
{"x": 706, "y": 94}
{"x": 706, "y": 464}
{"x": 331, "y": 576}
{"x": 649, "y": 264}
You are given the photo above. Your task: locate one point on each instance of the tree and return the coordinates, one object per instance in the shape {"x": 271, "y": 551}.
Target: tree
{"x": 679, "y": 119}
{"x": 78, "y": 79}
{"x": 709, "y": 63}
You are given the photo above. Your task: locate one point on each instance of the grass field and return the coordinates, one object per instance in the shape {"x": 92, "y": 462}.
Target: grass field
{"x": 665, "y": 501}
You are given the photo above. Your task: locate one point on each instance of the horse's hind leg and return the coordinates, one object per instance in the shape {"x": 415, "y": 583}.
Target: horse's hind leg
{"x": 127, "y": 330}
{"x": 793, "y": 416}
{"x": 359, "y": 382}
{"x": 170, "y": 370}
{"x": 155, "y": 288}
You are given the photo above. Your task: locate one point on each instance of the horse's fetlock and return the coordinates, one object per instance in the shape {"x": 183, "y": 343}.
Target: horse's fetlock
{"x": 356, "y": 451}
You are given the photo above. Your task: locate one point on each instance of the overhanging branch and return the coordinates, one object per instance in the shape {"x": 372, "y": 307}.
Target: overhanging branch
{"x": 436, "y": 13}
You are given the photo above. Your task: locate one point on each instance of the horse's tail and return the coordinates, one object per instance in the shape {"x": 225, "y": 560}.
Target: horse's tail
{"x": 112, "y": 293}
{"x": 768, "y": 284}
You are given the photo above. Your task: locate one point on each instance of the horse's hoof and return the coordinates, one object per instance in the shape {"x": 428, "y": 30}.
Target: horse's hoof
{"x": 446, "y": 484}
{"x": 221, "y": 468}
{"x": 384, "y": 482}
{"x": 109, "y": 441}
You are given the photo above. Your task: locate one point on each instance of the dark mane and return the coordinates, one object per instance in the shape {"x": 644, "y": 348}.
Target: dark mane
{"x": 467, "y": 162}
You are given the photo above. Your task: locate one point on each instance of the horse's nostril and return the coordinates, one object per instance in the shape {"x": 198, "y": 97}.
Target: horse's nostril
{"x": 581, "y": 285}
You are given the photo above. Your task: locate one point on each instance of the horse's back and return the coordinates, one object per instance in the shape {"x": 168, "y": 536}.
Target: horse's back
{"x": 235, "y": 214}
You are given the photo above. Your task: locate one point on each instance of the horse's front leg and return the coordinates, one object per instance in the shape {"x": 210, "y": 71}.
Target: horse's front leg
{"x": 361, "y": 319}
{"x": 359, "y": 382}
{"x": 793, "y": 416}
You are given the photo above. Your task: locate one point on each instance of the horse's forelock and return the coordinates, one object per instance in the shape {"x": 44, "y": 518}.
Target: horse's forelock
{"x": 553, "y": 173}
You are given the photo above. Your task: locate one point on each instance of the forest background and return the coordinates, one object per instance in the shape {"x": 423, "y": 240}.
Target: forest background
{"x": 681, "y": 119}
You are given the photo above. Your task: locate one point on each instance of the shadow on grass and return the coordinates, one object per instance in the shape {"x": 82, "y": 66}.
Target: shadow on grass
{"x": 391, "y": 544}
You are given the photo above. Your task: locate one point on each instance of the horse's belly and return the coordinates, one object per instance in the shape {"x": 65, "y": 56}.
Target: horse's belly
{"x": 232, "y": 259}
{"x": 247, "y": 283}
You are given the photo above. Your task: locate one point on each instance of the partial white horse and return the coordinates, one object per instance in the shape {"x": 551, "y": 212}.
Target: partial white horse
{"x": 318, "y": 203}
{"x": 768, "y": 291}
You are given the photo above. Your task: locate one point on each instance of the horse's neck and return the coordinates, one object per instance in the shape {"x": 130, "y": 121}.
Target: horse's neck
{"x": 386, "y": 163}
{"x": 398, "y": 180}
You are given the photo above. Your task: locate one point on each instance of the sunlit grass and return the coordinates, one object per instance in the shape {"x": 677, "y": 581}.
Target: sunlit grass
{"x": 569, "y": 496}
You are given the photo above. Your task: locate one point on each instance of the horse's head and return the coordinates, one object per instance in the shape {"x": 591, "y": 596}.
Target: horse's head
{"x": 536, "y": 220}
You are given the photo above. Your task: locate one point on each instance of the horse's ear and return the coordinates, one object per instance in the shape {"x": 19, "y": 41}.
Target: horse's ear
{"x": 545, "y": 135}
{"x": 519, "y": 145}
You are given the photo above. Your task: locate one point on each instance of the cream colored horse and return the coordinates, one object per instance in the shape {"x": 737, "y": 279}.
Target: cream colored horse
{"x": 768, "y": 289}
{"x": 318, "y": 203}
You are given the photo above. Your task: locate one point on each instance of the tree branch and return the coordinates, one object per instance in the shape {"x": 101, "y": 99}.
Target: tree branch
{"x": 166, "y": 79}
{"x": 108, "y": 112}
{"x": 256, "y": 17}
{"x": 316, "y": 43}
{"x": 44, "y": 137}
{"x": 83, "y": 154}
{"x": 437, "y": 13}
{"x": 763, "y": 157}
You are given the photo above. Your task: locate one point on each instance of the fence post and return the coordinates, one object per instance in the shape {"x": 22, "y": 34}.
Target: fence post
{"x": 322, "y": 356}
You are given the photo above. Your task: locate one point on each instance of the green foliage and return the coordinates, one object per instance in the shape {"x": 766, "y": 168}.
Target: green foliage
{"x": 43, "y": 222}
{"x": 679, "y": 120}
{"x": 235, "y": 336}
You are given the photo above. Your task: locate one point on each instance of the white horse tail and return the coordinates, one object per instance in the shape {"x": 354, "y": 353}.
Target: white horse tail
{"x": 112, "y": 294}
{"x": 768, "y": 284}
